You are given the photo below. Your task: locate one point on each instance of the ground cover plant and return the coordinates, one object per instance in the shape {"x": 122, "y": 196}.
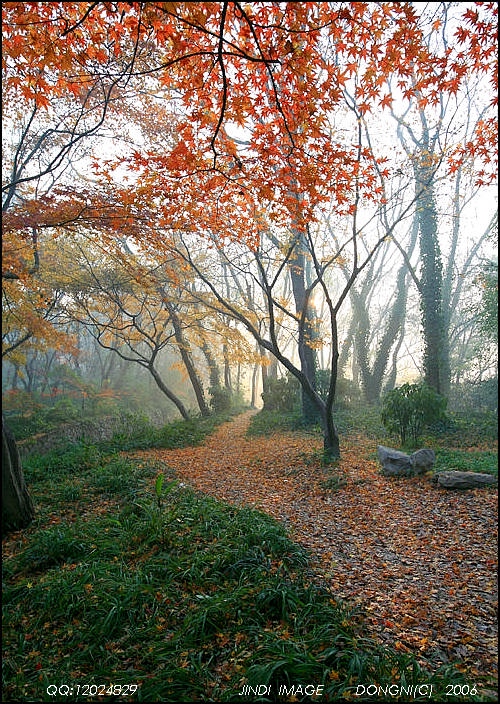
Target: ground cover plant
{"x": 133, "y": 576}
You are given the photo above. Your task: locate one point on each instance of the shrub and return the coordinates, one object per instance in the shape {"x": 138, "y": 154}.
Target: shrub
{"x": 220, "y": 399}
{"x": 21, "y": 401}
{"x": 281, "y": 394}
{"x": 408, "y": 409}
{"x": 63, "y": 410}
{"x": 269, "y": 422}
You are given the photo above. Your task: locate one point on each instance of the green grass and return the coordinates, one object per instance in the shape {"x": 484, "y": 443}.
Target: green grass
{"x": 267, "y": 422}
{"x": 354, "y": 419}
{"x": 187, "y": 597}
{"x": 485, "y": 461}
{"x": 138, "y": 432}
{"x": 179, "y": 433}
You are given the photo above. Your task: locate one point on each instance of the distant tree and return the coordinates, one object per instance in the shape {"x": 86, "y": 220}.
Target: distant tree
{"x": 424, "y": 128}
{"x": 377, "y": 328}
{"x": 126, "y": 311}
{"x": 488, "y": 310}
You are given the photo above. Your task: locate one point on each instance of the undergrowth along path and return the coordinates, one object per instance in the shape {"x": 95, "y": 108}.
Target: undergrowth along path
{"x": 421, "y": 561}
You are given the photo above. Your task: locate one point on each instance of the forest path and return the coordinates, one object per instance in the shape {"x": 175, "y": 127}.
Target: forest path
{"x": 420, "y": 560}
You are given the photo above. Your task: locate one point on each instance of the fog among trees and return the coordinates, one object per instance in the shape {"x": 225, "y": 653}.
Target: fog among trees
{"x": 203, "y": 198}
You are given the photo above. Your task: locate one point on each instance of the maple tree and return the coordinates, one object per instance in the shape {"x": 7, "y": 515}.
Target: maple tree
{"x": 297, "y": 223}
{"x": 138, "y": 310}
{"x": 252, "y": 97}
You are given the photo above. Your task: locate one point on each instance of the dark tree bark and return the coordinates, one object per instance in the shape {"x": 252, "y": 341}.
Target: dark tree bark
{"x": 306, "y": 333}
{"x": 17, "y": 507}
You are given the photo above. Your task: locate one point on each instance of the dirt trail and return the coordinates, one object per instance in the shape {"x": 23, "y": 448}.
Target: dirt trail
{"x": 421, "y": 561}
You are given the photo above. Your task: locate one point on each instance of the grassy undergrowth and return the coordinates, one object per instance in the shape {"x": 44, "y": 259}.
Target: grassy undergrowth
{"x": 483, "y": 461}
{"x": 458, "y": 444}
{"x": 354, "y": 419}
{"x": 121, "y": 581}
{"x": 178, "y": 433}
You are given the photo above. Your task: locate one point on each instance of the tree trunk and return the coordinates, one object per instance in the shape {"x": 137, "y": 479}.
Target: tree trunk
{"x": 331, "y": 440}
{"x": 255, "y": 376}
{"x": 324, "y": 409}
{"x": 169, "y": 394}
{"x": 390, "y": 383}
{"x": 228, "y": 384}
{"x": 372, "y": 379}
{"x": 17, "y": 508}
{"x": 213, "y": 368}
{"x": 184, "y": 349}
{"x": 306, "y": 332}
{"x": 436, "y": 354}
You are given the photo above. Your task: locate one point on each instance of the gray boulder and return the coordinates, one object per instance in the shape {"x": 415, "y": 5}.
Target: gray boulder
{"x": 423, "y": 460}
{"x": 394, "y": 463}
{"x": 464, "y": 480}
{"x": 399, "y": 464}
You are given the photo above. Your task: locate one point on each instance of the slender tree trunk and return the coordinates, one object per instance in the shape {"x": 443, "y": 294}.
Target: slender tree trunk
{"x": 324, "y": 409}
{"x": 306, "y": 333}
{"x": 184, "y": 349}
{"x": 372, "y": 378}
{"x": 255, "y": 376}
{"x": 17, "y": 507}
{"x": 15, "y": 377}
{"x": 227, "y": 368}
{"x": 331, "y": 441}
{"x": 393, "y": 371}
{"x": 169, "y": 394}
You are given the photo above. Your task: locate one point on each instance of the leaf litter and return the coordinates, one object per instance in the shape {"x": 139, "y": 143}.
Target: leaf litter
{"x": 420, "y": 561}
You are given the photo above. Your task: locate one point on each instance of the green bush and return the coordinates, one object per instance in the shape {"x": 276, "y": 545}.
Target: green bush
{"x": 62, "y": 411}
{"x": 281, "y": 394}
{"x": 221, "y": 399}
{"x": 408, "y": 409}
{"x": 268, "y": 422}
{"x": 485, "y": 462}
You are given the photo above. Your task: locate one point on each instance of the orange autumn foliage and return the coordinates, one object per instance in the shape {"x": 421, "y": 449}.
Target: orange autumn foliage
{"x": 279, "y": 70}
